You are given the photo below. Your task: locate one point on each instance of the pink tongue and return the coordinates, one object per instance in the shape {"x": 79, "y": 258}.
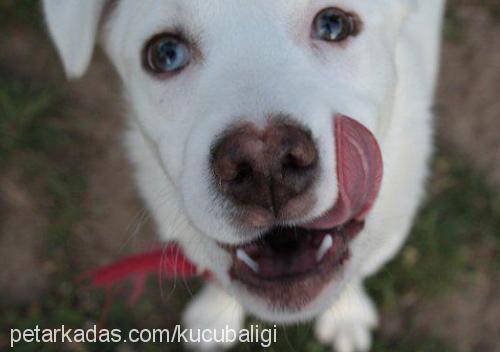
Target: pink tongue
{"x": 359, "y": 173}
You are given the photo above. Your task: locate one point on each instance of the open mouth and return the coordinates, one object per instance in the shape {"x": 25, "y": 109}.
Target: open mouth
{"x": 288, "y": 255}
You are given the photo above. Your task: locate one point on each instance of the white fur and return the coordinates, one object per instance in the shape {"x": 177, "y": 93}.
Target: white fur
{"x": 215, "y": 309}
{"x": 258, "y": 58}
{"x": 347, "y": 325}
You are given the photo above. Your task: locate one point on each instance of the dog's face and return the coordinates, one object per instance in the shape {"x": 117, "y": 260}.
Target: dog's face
{"x": 267, "y": 118}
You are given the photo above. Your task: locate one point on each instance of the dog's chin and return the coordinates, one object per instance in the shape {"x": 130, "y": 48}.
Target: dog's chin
{"x": 287, "y": 270}
{"x": 261, "y": 307}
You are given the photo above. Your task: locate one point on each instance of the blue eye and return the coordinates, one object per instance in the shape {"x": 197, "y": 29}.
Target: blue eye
{"x": 166, "y": 54}
{"x": 334, "y": 25}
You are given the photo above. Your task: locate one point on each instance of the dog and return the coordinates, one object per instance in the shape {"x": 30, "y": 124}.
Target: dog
{"x": 284, "y": 145}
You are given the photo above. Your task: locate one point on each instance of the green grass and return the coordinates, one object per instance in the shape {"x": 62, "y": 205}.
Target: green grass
{"x": 453, "y": 28}
{"x": 32, "y": 135}
{"x": 20, "y": 11}
{"x": 461, "y": 216}
{"x": 35, "y": 143}
{"x": 20, "y": 108}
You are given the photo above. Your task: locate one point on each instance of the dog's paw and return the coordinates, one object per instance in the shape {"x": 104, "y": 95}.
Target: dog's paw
{"x": 214, "y": 310}
{"x": 347, "y": 326}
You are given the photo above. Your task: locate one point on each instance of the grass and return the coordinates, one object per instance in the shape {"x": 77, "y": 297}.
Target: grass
{"x": 35, "y": 144}
{"x": 20, "y": 108}
{"x": 20, "y": 11}
{"x": 461, "y": 215}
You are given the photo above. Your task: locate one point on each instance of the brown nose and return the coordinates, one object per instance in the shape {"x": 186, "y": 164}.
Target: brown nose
{"x": 265, "y": 168}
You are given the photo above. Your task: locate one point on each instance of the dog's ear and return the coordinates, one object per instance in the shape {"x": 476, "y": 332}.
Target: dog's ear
{"x": 73, "y": 26}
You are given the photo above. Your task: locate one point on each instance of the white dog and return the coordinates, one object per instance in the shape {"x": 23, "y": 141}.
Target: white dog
{"x": 283, "y": 144}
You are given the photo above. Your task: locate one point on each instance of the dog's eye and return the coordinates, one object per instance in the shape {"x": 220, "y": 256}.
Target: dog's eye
{"x": 166, "y": 54}
{"x": 334, "y": 25}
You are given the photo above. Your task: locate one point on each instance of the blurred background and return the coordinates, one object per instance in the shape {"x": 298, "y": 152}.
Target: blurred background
{"x": 67, "y": 203}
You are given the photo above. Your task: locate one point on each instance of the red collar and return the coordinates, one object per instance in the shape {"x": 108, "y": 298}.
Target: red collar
{"x": 168, "y": 263}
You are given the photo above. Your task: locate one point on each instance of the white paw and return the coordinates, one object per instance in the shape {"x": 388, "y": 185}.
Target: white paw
{"x": 212, "y": 309}
{"x": 347, "y": 326}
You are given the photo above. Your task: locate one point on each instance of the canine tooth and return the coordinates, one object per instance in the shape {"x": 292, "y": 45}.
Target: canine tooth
{"x": 325, "y": 246}
{"x": 245, "y": 258}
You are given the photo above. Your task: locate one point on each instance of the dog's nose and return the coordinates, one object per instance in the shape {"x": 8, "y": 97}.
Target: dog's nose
{"x": 265, "y": 168}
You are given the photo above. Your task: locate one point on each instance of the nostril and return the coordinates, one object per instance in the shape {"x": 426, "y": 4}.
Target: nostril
{"x": 292, "y": 166}
{"x": 243, "y": 174}
{"x": 290, "y": 163}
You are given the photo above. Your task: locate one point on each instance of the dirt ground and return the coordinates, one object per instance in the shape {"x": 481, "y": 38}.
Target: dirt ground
{"x": 468, "y": 101}
{"x": 109, "y": 211}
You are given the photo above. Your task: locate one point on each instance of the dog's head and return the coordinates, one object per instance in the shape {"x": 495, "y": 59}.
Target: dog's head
{"x": 267, "y": 119}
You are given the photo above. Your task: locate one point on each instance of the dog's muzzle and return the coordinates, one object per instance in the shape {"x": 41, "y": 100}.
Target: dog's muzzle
{"x": 289, "y": 265}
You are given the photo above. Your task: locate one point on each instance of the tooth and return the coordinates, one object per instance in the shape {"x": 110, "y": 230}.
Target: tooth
{"x": 325, "y": 246}
{"x": 245, "y": 258}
